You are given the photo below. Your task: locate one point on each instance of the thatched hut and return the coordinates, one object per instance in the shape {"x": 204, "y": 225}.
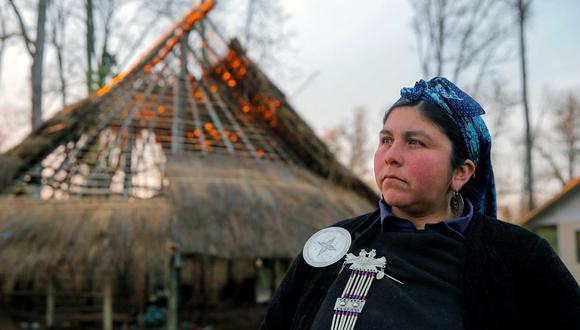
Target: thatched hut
{"x": 188, "y": 176}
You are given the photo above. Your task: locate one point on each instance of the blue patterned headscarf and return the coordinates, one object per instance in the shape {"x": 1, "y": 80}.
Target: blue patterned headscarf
{"x": 466, "y": 113}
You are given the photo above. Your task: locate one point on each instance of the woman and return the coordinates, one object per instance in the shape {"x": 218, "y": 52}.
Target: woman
{"x": 433, "y": 256}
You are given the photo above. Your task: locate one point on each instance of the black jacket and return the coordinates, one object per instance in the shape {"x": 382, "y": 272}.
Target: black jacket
{"x": 512, "y": 279}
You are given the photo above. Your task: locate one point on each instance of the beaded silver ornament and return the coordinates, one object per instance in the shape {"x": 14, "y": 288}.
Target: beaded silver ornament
{"x": 364, "y": 269}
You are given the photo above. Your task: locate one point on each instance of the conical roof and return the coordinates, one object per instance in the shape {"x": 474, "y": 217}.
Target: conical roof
{"x": 194, "y": 132}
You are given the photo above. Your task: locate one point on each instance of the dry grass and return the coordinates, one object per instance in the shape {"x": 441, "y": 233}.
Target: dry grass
{"x": 253, "y": 208}
{"x": 216, "y": 206}
{"x": 105, "y": 236}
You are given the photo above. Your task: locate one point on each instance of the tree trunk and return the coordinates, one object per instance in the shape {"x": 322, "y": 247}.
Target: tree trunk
{"x": 441, "y": 37}
{"x": 90, "y": 44}
{"x": 248, "y": 27}
{"x": 37, "y": 65}
{"x": 3, "y": 38}
{"x": 63, "y": 91}
{"x": 571, "y": 136}
{"x": 59, "y": 26}
{"x": 522, "y": 12}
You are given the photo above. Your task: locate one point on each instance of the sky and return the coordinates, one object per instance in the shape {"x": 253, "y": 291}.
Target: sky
{"x": 363, "y": 53}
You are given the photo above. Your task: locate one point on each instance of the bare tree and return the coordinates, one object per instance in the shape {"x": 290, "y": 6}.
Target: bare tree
{"x": 107, "y": 60}
{"x": 262, "y": 25}
{"x": 569, "y": 127}
{"x": 358, "y": 143}
{"x": 5, "y": 35}
{"x": 265, "y": 30}
{"x": 457, "y": 37}
{"x": 36, "y": 50}
{"x": 523, "y": 10}
{"x": 349, "y": 143}
{"x": 58, "y": 28}
{"x": 99, "y": 21}
{"x": 90, "y": 43}
{"x": 500, "y": 100}
{"x": 334, "y": 138}
{"x": 563, "y": 148}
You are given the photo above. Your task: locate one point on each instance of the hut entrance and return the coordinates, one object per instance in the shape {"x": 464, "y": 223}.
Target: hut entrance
{"x": 71, "y": 300}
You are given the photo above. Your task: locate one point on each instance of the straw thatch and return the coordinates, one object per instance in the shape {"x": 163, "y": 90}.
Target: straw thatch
{"x": 105, "y": 236}
{"x": 236, "y": 209}
{"x": 216, "y": 206}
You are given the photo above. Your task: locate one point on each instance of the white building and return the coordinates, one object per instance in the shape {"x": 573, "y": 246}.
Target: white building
{"x": 558, "y": 221}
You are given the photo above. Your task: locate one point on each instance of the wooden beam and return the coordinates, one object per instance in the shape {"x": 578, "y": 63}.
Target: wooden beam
{"x": 50, "y": 304}
{"x": 108, "y": 305}
{"x": 172, "y": 311}
{"x": 178, "y": 88}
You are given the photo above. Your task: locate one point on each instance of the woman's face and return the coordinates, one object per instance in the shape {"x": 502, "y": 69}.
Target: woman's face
{"x": 413, "y": 163}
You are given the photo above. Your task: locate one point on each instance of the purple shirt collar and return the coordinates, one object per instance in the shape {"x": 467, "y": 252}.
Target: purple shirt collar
{"x": 456, "y": 225}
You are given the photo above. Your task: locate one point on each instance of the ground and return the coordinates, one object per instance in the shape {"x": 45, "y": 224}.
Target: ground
{"x": 241, "y": 318}
{"x": 6, "y": 322}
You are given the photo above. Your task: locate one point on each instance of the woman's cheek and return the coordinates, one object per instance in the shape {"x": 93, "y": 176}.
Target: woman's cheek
{"x": 378, "y": 163}
{"x": 424, "y": 170}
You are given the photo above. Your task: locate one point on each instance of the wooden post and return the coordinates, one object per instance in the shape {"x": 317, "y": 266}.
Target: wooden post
{"x": 108, "y": 305}
{"x": 178, "y": 99}
{"x": 273, "y": 284}
{"x": 50, "y": 304}
{"x": 172, "y": 313}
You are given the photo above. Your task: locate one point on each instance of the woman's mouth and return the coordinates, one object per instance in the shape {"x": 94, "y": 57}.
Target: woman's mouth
{"x": 392, "y": 178}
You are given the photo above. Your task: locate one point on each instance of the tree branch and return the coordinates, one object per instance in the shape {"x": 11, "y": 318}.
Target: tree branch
{"x": 550, "y": 159}
{"x": 30, "y": 45}
{"x": 9, "y": 35}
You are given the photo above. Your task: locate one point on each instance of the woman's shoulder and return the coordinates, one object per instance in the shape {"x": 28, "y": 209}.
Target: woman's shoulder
{"x": 502, "y": 228}
{"x": 353, "y": 223}
{"x": 506, "y": 236}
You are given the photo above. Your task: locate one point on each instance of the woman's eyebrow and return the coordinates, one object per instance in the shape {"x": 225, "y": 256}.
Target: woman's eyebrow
{"x": 384, "y": 132}
{"x": 408, "y": 134}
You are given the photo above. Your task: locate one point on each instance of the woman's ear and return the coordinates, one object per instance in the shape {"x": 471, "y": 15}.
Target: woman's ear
{"x": 462, "y": 174}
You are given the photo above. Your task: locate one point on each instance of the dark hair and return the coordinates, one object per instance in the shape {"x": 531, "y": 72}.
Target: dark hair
{"x": 438, "y": 116}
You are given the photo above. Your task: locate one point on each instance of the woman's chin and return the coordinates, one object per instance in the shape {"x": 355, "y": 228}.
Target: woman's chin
{"x": 395, "y": 199}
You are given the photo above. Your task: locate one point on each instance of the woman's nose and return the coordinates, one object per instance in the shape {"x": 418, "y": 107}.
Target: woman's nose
{"x": 393, "y": 155}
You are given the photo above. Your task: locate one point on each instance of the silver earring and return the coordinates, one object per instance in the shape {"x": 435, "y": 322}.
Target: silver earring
{"x": 457, "y": 204}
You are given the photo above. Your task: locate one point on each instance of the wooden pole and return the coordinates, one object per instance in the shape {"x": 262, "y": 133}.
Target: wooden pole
{"x": 172, "y": 316}
{"x": 108, "y": 306}
{"x": 50, "y": 304}
{"x": 178, "y": 100}
{"x": 272, "y": 277}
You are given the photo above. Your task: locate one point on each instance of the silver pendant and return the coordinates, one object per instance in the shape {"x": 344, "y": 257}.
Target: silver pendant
{"x": 326, "y": 246}
{"x": 364, "y": 269}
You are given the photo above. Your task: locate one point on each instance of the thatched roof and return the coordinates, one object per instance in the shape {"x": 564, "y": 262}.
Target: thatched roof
{"x": 105, "y": 236}
{"x": 213, "y": 206}
{"x": 191, "y": 145}
{"x": 253, "y": 209}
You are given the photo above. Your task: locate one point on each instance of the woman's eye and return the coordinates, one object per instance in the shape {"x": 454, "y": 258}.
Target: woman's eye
{"x": 415, "y": 142}
{"x": 386, "y": 140}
